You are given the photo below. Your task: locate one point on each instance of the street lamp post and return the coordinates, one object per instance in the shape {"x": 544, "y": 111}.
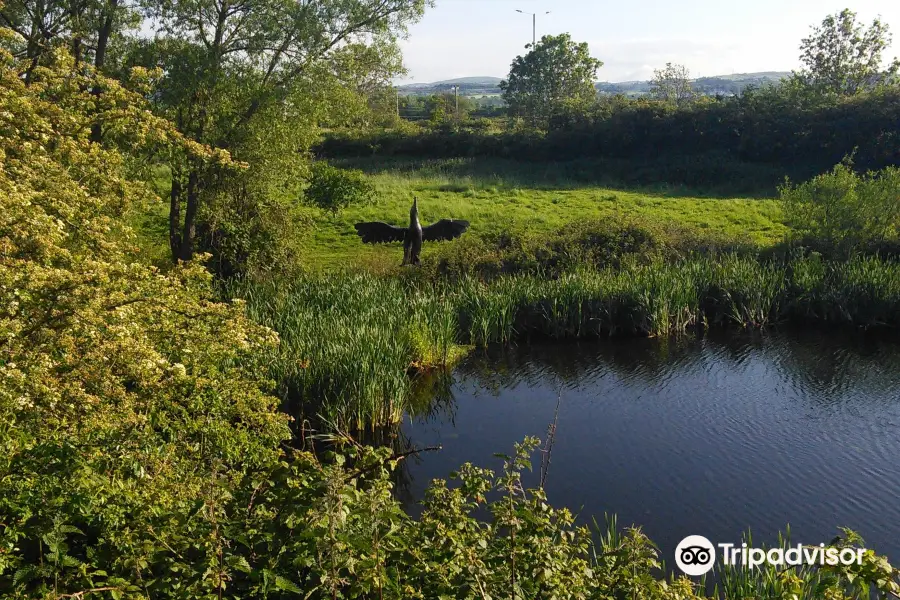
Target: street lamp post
{"x": 456, "y": 95}
{"x": 533, "y": 25}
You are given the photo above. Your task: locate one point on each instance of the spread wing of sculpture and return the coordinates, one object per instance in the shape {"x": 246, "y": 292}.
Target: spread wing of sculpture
{"x": 377, "y": 232}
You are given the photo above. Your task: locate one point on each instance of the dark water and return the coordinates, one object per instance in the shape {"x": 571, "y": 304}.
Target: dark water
{"x": 696, "y": 436}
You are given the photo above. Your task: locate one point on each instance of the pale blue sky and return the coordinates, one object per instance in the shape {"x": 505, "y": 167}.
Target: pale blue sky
{"x": 462, "y": 38}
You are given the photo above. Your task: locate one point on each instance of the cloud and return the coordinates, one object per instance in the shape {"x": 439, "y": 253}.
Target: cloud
{"x": 439, "y": 57}
{"x": 627, "y": 60}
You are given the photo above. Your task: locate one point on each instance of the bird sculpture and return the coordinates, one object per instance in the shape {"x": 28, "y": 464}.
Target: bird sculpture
{"x": 412, "y": 237}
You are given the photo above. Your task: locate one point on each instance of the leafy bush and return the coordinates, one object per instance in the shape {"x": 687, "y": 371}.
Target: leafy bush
{"x": 122, "y": 403}
{"x": 844, "y": 208}
{"x": 333, "y": 189}
{"x": 247, "y": 232}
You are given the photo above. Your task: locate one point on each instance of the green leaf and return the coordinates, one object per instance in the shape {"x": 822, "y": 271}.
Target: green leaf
{"x": 240, "y": 563}
{"x": 286, "y": 585}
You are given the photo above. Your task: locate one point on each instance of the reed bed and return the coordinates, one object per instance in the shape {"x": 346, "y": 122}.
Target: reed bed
{"x": 350, "y": 341}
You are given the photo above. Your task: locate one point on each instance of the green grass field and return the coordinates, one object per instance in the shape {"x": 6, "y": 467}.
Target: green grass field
{"x": 497, "y": 195}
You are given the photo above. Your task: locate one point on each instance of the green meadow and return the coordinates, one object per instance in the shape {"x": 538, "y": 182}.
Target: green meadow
{"x": 499, "y": 196}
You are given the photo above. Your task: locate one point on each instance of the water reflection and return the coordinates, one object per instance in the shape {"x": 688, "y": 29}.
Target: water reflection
{"x": 686, "y": 436}
{"x": 813, "y": 361}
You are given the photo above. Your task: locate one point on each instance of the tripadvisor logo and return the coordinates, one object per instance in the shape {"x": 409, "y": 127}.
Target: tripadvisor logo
{"x": 695, "y": 555}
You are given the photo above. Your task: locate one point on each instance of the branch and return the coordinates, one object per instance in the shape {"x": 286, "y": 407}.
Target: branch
{"x": 12, "y": 26}
{"x": 379, "y": 12}
{"x": 397, "y": 457}
{"x": 90, "y": 591}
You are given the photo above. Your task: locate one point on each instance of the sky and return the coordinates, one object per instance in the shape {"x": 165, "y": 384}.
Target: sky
{"x": 468, "y": 38}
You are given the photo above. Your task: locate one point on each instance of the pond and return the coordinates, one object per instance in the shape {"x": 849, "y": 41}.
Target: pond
{"x": 708, "y": 436}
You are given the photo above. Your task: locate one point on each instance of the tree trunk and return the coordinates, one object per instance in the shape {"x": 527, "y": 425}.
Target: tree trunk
{"x": 175, "y": 216}
{"x": 76, "y": 11}
{"x": 103, "y": 36}
{"x": 76, "y": 51}
{"x": 190, "y": 217}
{"x": 33, "y": 50}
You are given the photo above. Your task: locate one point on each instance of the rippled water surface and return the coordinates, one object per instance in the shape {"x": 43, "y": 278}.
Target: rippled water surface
{"x": 697, "y": 436}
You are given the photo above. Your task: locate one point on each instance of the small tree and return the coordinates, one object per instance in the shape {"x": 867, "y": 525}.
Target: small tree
{"x": 672, "y": 84}
{"x": 556, "y": 76}
{"x": 843, "y": 57}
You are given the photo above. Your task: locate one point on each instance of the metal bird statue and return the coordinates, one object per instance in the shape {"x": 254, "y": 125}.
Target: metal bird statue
{"x": 412, "y": 237}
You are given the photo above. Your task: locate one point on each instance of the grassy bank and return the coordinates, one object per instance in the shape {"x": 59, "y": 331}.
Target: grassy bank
{"x": 350, "y": 342}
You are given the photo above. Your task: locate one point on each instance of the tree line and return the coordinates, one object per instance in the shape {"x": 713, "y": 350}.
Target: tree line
{"x": 844, "y": 101}
{"x": 841, "y": 57}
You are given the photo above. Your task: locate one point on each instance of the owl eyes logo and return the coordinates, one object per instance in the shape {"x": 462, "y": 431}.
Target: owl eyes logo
{"x": 695, "y": 555}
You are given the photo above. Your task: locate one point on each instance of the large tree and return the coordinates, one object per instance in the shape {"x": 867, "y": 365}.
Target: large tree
{"x": 843, "y": 57}
{"x": 556, "y": 75}
{"x": 256, "y": 78}
{"x": 672, "y": 84}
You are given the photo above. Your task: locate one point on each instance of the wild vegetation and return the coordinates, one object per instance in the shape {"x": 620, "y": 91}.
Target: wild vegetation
{"x": 144, "y": 450}
{"x": 349, "y": 342}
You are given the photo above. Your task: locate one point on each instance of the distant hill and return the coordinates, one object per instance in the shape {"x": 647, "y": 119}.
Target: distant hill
{"x": 468, "y": 86}
{"x": 719, "y": 84}
{"x": 489, "y": 86}
{"x": 472, "y": 80}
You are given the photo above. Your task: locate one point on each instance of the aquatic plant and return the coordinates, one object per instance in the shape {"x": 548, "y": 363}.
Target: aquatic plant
{"x": 350, "y": 341}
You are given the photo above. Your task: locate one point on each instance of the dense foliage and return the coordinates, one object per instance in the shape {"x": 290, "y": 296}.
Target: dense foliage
{"x": 333, "y": 189}
{"x": 844, "y": 209}
{"x": 556, "y": 75}
{"x": 768, "y": 126}
{"x": 122, "y": 403}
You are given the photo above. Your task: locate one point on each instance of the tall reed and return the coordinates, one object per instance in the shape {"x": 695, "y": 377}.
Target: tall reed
{"x": 350, "y": 341}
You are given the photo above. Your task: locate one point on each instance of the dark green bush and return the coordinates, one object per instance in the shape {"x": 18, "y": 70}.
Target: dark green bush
{"x": 333, "y": 189}
{"x": 595, "y": 244}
